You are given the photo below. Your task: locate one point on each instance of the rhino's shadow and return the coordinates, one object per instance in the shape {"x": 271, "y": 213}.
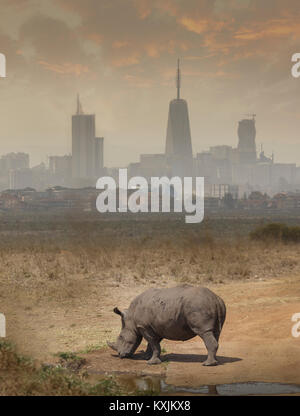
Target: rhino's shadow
{"x": 188, "y": 358}
{"x": 196, "y": 358}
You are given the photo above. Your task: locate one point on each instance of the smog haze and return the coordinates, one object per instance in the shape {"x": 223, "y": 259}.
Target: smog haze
{"x": 121, "y": 57}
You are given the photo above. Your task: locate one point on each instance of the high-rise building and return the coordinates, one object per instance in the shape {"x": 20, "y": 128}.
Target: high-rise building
{"x": 246, "y": 145}
{"x": 179, "y": 143}
{"x": 87, "y": 150}
{"x": 99, "y": 152}
{"x": 14, "y": 161}
{"x": 153, "y": 165}
{"x": 20, "y": 178}
{"x": 60, "y": 168}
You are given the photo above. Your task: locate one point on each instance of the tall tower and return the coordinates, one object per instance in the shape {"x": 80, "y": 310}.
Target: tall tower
{"x": 246, "y": 145}
{"x": 87, "y": 150}
{"x": 178, "y": 142}
{"x": 83, "y": 136}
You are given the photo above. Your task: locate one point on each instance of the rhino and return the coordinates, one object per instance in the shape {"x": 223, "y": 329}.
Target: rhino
{"x": 178, "y": 313}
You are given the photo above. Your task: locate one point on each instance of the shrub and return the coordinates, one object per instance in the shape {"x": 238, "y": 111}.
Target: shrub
{"x": 276, "y": 232}
{"x": 21, "y": 376}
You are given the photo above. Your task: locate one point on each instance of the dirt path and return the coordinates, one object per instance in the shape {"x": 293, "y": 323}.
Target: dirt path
{"x": 256, "y": 343}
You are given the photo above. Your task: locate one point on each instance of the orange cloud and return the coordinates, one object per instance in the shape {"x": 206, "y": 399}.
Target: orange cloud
{"x": 121, "y": 61}
{"x": 138, "y": 82}
{"x": 273, "y": 28}
{"x": 95, "y": 37}
{"x": 119, "y": 44}
{"x": 196, "y": 26}
{"x": 153, "y": 50}
{"x": 66, "y": 68}
{"x": 143, "y": 8}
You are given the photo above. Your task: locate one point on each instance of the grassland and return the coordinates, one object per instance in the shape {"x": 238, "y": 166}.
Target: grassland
{"x": 61, "y": 275}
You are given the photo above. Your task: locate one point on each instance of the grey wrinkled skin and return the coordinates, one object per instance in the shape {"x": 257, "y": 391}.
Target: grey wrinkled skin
{"x": 179, "y": 313}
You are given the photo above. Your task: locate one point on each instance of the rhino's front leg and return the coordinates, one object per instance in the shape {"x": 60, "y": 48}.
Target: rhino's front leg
{"x": 148, "y": 353}
{"x": 153, "y": 345}
{"x": 155, "y": 359}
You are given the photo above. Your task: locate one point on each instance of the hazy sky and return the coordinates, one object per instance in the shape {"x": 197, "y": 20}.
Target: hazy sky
{"x": 120, "y": 55}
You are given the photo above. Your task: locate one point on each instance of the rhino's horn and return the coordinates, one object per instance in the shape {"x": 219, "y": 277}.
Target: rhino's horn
{"x": 112, "y": 345}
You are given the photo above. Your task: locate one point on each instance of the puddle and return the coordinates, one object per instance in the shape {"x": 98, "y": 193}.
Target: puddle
{"x": 157, "y": 385}
{"x": 237, "y": 389}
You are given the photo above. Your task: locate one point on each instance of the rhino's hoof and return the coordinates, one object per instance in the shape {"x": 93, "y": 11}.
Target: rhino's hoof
{"x": 154, "y": 361}
{"x": 208, "y": 363}
{"x": 145, "y": 357}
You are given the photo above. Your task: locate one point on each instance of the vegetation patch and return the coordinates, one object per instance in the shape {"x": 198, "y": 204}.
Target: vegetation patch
{"x": 20, "y": 376}
{"x": 277, "y": 232}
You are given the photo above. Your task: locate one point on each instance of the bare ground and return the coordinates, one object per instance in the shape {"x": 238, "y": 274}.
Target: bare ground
{"x": 58, "y": 289}
{"x": 256, "y": 342}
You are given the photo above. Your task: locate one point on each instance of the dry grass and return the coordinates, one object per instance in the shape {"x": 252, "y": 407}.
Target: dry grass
{"x": 61, "y": 266}
{"x": 59, "y": 279}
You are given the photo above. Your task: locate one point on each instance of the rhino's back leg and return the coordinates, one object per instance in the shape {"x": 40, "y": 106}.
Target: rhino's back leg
{"x": 208, "y": 332}
{"x": 212, "y": 346}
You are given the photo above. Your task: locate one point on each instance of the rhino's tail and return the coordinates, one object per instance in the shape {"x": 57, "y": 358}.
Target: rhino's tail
{"x": 221, "y": 310}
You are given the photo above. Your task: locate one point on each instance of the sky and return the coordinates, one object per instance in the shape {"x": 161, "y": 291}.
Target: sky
{"x": 121, "y": 56}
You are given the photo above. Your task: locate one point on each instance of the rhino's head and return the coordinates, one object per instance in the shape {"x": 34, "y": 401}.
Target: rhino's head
{"x": 129, "y": 339}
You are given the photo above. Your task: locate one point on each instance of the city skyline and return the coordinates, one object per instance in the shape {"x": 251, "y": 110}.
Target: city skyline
{"x": 120, "y": 56}
{"x": 79, "y": 111}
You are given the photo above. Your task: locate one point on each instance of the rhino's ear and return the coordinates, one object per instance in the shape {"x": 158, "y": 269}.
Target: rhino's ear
{"x": 141, "y": 329}
{"x": 118, "y": 312}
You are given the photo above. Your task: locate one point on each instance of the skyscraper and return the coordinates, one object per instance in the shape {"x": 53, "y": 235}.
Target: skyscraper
{"x": 99, "y": 155}
{"x": 178, "y": 142}
{"x": 87, "y": 150}
{"x": 246, "y": 145}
